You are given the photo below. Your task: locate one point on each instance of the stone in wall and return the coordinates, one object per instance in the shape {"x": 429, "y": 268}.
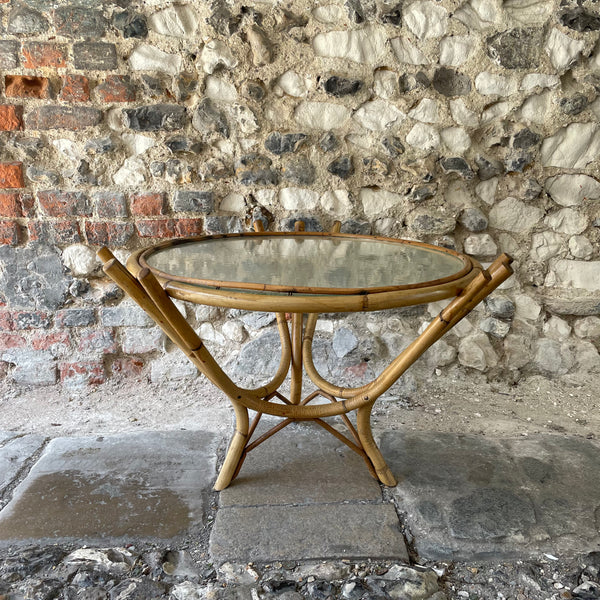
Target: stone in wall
{"x": 582, "y": 275}
{"x": 366, "y": 45}
{"x": 33, "y": 277}
{"x": 572, "y": 189}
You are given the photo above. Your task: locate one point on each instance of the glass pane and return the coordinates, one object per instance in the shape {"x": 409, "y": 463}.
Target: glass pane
{"x": 306, "y": 261}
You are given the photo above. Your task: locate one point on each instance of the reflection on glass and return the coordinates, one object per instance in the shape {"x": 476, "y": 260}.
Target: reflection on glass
{"x": 306, "y": 261}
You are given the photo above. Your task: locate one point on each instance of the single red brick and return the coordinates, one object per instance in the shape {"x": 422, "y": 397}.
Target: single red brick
{"x": 160, "y": 228}
{"x": 11, "y": 175}
{"x": 11, "y": 117}
{"x": 10, "y": 205}
{"x": 55, "y": 232}
{"x": 16, "y": 204}
{"x": 108, "y": 233}
{"x": 11, "y": 340}
{"x": 188, "y": 227}
{"x": 7, "y": 323}
{"x": 75, "y": 88}
{"x": 56, "y": 203}
{"x": 43, "y": 54}
{"x": 10, "y": 233}
{"x": 83, "y": 372}
{"x": 127, "y": 367}
{"x": 57, "y": 341}
{"x": 147, "y": 205}
{"x": 20, "y": 86}
{"x": 116, "y": 88}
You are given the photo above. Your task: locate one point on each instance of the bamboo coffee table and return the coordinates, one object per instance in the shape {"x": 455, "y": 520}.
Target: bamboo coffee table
{"x": 302, "y": 273}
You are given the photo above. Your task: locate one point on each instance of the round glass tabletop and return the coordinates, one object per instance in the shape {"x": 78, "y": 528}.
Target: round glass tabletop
{"x": 306, "y": 263}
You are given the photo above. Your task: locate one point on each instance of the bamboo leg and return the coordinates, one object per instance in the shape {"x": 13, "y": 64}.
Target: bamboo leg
{"x": 363, "y": 424}
{"x": 236, "y": 448}
{"x": 296, "y": 371}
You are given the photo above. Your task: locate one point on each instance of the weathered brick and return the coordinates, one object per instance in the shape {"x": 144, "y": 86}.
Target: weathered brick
{"x": 10, "y": 205}
{"x": 31, "y": 319}
{"x": 82, "y": 373}
{"x": 56, "y": 203}
{"x": 124, "y": 315}
{"x": 11, "y": 175}
{"x": 74, "y": 118}
{"x": 141, "y": 341}
{"x": 94, "y": 56}
{"x": 16, "y": 204}
{"x": 25, "y": 20}
{"x": 9, "y": 54}
{"x": 32, "y": 367}
{"x": 75, "y": 317}
{"x": 127, "y": 367}
{"x": 188, "y": 227}
{"x": 43, "y": 54}
{"x": 79, "y": 22}
{"x": 147, "y": 205}
{"x": 7, "y": 323}
{"x": 107, "y": 233}
{"x": 100, "y": 341}
{"x": 167, "y": 117}
{"x": 116, "y": 88}
{"x": 58, "y": 342}
{"x": 157, "y": 228}
{"x": 75, "y": 88}
{"x": 11, "y": 117}
{"x": 11, "y": 340}
{"x": 193, "y": 201}
{"x": 22, "y": 86}
{"x": 109, "y": 205}
{"x": 10, "y": 233}
{"x": 58, "y": 233}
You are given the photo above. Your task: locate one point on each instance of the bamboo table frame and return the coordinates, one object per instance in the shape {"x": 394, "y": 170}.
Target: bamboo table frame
{"x": 153, "y": 291}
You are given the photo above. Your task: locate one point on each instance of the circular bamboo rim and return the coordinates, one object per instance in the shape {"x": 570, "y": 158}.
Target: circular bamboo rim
{"x": 252, "y": 296}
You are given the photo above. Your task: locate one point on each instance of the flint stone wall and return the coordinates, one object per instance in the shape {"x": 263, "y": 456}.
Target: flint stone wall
{"x": 470, "y": 124}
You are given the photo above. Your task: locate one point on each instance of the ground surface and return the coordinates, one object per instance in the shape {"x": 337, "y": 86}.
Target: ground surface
{"x": 568, "y": 407}
{"x": 455, "y": 404}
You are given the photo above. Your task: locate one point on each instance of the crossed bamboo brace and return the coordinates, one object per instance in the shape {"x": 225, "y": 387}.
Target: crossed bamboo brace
{"x": 296, "y": 357}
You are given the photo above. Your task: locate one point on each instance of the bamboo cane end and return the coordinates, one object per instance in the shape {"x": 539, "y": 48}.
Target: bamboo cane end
{"x": 104, "y": 254}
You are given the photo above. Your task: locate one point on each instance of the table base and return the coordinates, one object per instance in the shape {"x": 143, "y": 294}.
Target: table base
{"x": 296, "y": 358}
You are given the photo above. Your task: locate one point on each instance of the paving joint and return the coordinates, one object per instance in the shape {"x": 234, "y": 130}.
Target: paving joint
{"x": 7, "y": 490}
{"x": 409, "y": 538}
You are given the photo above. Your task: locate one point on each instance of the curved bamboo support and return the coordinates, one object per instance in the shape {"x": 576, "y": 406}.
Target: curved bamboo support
{"x": 233, "y": 459}
{"x": 311, "y": 370}
{"x": 363, "y": 425}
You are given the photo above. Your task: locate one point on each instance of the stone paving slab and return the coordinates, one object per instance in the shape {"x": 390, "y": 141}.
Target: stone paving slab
{"x": 15, "y": 451}
{"x": 469, "y": 497}
{"x": 309, "y": 532}
{"x": 301, "y": 464}
{"x": 149, "y": 485}
{"x": 303, "y": 495}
